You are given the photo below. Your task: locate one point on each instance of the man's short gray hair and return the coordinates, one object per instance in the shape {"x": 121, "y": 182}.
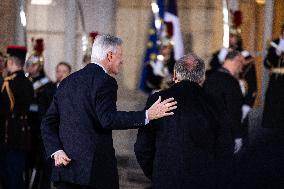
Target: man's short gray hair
{"x": 104, "y": 44}
{"x": 190, "y": 67}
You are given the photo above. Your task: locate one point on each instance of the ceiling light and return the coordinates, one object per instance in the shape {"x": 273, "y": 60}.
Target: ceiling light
{"x": 261, "y": 2}
{"x": 41, "y": 2}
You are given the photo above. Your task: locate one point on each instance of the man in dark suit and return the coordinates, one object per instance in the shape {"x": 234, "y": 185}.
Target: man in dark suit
{"x": 77, "y": 127}
{"x": 178, "y": 151}
{"x": 224, "y": 88}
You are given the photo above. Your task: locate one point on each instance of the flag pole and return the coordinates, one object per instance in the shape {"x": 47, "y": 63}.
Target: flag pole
{"x": 84, "y": 35}
{"x": 157, "y": 19}
{"x": 226, "y": 27}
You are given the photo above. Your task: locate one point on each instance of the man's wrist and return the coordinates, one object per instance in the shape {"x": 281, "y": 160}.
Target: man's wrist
{"x": 146, "y": 117}
{"x": 237, "y": 140}
{"x": 52, "y": 155}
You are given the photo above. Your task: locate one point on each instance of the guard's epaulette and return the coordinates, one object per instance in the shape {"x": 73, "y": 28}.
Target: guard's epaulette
{"x": 40, "y": 83}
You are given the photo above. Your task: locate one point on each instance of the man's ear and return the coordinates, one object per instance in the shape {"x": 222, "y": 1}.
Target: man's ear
{"x": 175, "y": 75}
{"x": 202, "y": 80}
{"x": 10, "y": 62}
{"x": 109, "y": 56}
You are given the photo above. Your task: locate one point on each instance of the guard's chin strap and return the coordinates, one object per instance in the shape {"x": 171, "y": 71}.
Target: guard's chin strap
{"x": 9, "y": 91}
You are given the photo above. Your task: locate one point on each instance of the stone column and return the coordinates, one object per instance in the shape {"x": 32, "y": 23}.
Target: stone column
{"x": 8, "y": 23}
{"x": 20, "y": 35}
{"x": 132, "y": 18}
{"x": 201, "y": 26}
{"x": 233, "y": 4}
{"x": 99, "y": 16}
{"x": 70, "y": 42}
{"x": 268, "y": 21}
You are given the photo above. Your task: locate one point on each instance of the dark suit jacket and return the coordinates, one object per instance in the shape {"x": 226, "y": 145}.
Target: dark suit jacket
{"x": 178, "y": 151}
{"x": 225, "y": 90}
{"x": 79, "y": 121}
{"x": 272, "y": 59}
{"x": 250, "y": 77}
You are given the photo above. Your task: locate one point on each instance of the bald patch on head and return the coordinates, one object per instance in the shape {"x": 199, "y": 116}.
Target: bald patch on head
{"x": 190, "y": 67}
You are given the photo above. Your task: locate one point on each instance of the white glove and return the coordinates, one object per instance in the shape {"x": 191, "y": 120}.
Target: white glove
{"x": 281, "y": 45}
{"x": 243, "y": 86}
{"x": 279, "y": 51}
{"x": 157, "y": 68}
{"x": 222, "y": 54}
{"x": 279, "y": 48}
{"x": 245, "y": 53}
{"x": 238, "y": 145}
{"x": 245, "y": 110}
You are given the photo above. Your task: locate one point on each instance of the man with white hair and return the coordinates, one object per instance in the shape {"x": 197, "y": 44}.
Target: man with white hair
{"x": 77, "y": 129}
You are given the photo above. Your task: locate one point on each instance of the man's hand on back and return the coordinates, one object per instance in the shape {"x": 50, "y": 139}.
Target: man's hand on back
{"x": 161, "y": 109}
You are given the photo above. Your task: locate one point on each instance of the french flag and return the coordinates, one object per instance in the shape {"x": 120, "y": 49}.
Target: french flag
{"x": 171, "y": 16}
{"x": 168, "y": 13}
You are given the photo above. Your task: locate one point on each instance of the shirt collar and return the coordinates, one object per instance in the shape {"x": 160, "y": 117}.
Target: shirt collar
{"x": 101, "y": 66}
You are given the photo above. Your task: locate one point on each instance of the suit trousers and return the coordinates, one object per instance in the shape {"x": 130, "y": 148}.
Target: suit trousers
{"x": 65, "y": 185}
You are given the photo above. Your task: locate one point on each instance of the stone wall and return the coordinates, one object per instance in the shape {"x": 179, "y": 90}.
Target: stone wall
{"x": 201, "y": 26}
{"x": 8, "y": 23}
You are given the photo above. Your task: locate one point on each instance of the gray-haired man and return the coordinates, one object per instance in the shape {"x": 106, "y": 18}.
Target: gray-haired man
{"x": 77, "y": 128}
{"x": 178, "y": 151}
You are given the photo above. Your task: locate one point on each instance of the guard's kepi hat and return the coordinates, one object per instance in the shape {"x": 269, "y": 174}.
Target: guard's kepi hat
{"x": 17, "y": 51}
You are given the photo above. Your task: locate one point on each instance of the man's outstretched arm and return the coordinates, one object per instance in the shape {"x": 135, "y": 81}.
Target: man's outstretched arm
{"x": 110, "y": 118}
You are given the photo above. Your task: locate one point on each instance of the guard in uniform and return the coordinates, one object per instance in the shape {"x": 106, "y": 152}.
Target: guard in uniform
{"x": 248, "y": 84}
{"x": 160, "y": 68}
{"x": 2, "y": 63}
{"x": 159, "y": 74}
{"x": 44, "y": 90}
{"x": 273, "y": 114}
{"x": 2, "y": 67}
{"x": 15, "y": 98}
{"x": 217, "y": 60}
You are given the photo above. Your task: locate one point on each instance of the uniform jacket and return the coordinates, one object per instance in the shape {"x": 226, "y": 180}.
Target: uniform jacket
{"x": 41, "y": 101}
{"x": 273, "y": 113}
{"x": 14, "y": 130}
{"x": 249, "y": 76}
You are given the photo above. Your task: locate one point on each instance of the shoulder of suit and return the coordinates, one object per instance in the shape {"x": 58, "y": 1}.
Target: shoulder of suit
{"x": 221, "y": 78}
{"x": 21, "y": 76}
{"x": 154, "y": 95}
{"x": 110, "y": 79}
{"x": 99, "y": 77}
{"x": 229, "y": 78}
